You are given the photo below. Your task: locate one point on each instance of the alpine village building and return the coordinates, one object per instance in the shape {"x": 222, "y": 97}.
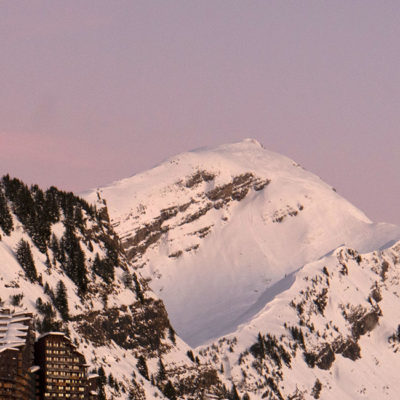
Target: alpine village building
{"x": 17, "y": 371}
{"x": 50, "y": 368}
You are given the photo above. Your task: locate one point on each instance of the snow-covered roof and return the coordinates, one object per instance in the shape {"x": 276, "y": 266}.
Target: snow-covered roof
{"x": 7, "y": 348}
{"x": 13, "y": 331}
{"x": 34, "y": 369}
{"x": 52, "y": 334}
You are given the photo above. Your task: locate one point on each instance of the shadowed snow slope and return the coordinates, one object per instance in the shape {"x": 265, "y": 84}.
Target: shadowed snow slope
{"x": 216, "y": 229}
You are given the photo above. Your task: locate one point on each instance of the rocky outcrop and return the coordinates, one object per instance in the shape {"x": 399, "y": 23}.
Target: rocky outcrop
{"x": 203, "y": 201}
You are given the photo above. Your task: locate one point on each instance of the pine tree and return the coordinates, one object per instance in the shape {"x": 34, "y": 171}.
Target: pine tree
{"x": 169, "y": 391}
{"x": 24, "y": 257}
{"x": 39, "y": 228}
{"x": 161, "y": 371}
{"x": 138, "y": 289}
{"x": 102, "y": 376}
{"x": 6, "y": 222}
{"x": 142, "y": 367}
{"x": 101, "y": 380}
{"x": 49, "y": 291}
{"x": 171, "y": 334}
{"x": 78, "y": 217}
{"x": 16, "y": 299}
{"x": 110, "y": 380}
{"x": 234, "y": 394}
{"x": 51, "y": 205}
{"x": 190, "y": 354}
{"x": 258, "y": 349}
{"x": 61, "y": 300}
{"x": 104, "y": 268}
{"x": 74, "y": 265}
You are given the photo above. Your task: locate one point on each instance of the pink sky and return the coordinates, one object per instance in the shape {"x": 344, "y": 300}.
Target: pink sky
{"x": 94, "y": 91}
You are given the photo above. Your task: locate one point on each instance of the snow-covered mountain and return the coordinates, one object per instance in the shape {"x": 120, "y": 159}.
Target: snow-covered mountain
{"x": 61, "y": 260}
{"x": 287, "y": 290}
{"x": 219, "y": 232}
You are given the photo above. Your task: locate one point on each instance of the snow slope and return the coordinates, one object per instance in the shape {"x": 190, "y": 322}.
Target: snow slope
{"x": 218, "y": 231}
{"x": 347, "y": 308}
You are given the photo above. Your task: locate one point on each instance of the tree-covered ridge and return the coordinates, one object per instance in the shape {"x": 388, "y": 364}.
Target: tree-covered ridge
{"x": 71, "y": 272}
{"x": 39, "y": 210}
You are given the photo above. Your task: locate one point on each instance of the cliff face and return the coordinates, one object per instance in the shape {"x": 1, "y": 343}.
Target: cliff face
{"x": 62, "y": 261}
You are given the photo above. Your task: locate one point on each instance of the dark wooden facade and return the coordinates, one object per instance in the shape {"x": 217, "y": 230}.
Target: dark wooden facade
{"x": 63, "y": 369}
{"x": 17, "y": 378}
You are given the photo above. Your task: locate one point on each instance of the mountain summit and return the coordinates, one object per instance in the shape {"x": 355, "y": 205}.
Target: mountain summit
{"x": 219, "y": 232}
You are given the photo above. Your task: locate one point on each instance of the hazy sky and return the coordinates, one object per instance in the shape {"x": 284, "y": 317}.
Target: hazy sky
{"x": 94, "y": 91}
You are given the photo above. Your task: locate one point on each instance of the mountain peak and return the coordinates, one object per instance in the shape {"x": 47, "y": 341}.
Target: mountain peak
{"x": 216, "y": 230}
{"x": 252, "y": 141}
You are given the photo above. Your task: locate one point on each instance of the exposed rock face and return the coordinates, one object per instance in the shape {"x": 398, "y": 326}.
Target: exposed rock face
{"x": 325, "y": 357}
{"x": 137, "y": 242}
{"x": 348, "y": 348}
{"x": 365, "y": 324}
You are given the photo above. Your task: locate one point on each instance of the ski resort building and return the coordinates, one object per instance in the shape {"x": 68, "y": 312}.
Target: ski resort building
{"x": 17, "y": 372}
{"x": 51, "y": 368}
{"x": 63, "y": 369}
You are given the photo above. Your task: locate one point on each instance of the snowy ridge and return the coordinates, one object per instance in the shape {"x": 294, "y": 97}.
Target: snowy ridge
{"x": 216, "y": 229}
{"x": 335, "y": 333}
